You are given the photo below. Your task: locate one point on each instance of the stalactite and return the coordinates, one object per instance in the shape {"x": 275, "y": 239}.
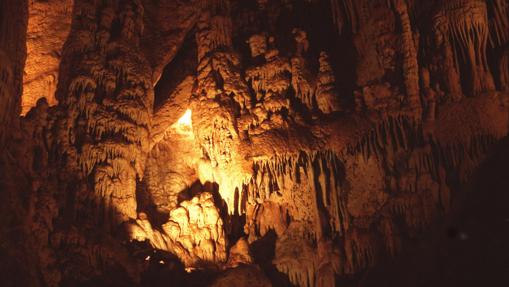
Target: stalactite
{"x": 295, "y": 257}
{"x": 359, "y": 248}
{"x": 499, "y": 23}
{"x": 467, "y": 25}
{"x": 271, "y": 77}
{"x": 316, "y": 173}
{"x": 214, "y": 31}
{"x": 116, "y": 126}
{"x": 347, "y": 8}
{"x": 220, "y": 89}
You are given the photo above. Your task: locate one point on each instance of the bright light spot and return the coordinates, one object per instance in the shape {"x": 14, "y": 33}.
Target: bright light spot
{"x": 147, "y": 258}
{"x": 184, "y": 125}
{"x": 161, "y": 262}
{"x": 186, "y": 118}
{"x": 189, "y": 269}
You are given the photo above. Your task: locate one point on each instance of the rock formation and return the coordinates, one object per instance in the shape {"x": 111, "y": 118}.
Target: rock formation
{"x": 228, "y": 142}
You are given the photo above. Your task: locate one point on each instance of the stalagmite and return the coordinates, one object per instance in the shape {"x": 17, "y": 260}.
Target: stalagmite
{"x": 301, "y": 41}
{"x": 194, "y": 232}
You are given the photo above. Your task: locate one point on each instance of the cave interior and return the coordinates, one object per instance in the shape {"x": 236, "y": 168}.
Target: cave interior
{"x": 308, "y": 143}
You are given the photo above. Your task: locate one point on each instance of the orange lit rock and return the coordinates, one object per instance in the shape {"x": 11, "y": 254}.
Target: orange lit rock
{"x": 318, "y": 144}
{"x": 194, "y": 232}
{"x": 49, "y": 23}
{"x": 239, "y": 254}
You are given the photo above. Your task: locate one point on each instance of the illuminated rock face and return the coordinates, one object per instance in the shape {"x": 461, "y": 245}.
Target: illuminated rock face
{"x": 194, "y": 232}
{"x": 273, "y": 155}
{"x": 49, "y": 23}
{"x": 109, "y": 108}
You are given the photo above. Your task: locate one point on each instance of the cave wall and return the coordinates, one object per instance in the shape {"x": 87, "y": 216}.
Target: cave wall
{"x": 14, "y": 185}
{"x": 49, "y": 23}
{"x": 13, "y": 54}
{"x": 325, "y": 134}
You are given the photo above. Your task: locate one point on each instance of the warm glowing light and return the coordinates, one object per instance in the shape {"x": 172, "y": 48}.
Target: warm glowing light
{"x": 184, "y": 125}
{"x": 189, "y": 269}
{"x": 186, "y": 118}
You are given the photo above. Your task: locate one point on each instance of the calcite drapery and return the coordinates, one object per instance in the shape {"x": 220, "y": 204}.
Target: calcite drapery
{"x": 220, "y": 93}
{"x": 271, "y": 152}
{"x": 109, "y": 100}
{"x": 465, "y": 22}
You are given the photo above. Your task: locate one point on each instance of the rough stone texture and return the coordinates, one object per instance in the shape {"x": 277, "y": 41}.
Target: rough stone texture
{"x": 166, "y": 25}
{"x": 49, "y": 23}
{"x": 194, "y": 232}
{"x": 258, "y": 167}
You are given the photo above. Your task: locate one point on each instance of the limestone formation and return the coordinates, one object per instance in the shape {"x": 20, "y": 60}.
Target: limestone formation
{"x": 194, "y": 232}
{"x": 326, "y": 95}
{"x": 109, "y": 102}
{"x": 466, "y": 23}
{"x": 49, "y": 23}
{"x": 229, "y": 142}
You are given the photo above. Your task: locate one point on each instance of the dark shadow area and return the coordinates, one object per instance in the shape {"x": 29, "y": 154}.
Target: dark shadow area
{"x": 263, "y": 254}
{"x": 469, "y": 249}
{"x": 183, "y": 65}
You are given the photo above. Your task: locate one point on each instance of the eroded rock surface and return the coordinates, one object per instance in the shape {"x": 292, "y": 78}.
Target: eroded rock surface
{"x": 295, "y": 148}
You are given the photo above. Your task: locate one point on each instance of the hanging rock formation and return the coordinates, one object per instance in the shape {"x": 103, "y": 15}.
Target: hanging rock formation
{"x": 109, "y": 101}
{"x": 228, "y": 142}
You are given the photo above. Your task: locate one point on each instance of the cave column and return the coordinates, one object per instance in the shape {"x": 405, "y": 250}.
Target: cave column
{"x": 107, "y": 100}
